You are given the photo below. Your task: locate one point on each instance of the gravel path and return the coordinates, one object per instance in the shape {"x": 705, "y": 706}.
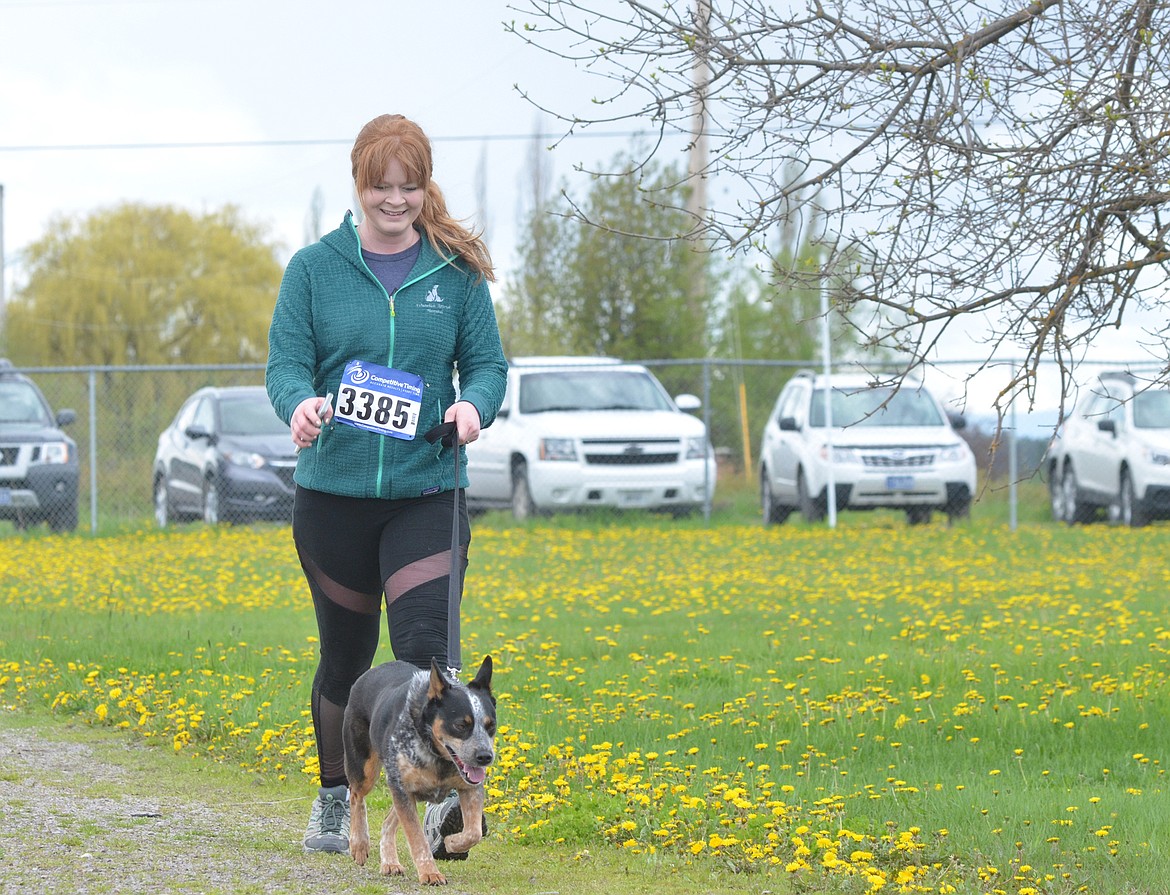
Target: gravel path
{"x": 77, "y": 823}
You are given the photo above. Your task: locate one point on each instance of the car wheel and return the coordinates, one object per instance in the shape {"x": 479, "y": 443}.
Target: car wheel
{"x": 958, "y": 509}
{"x": 63, "y": 517}
{"x": 210, "y": 502}
{"x": 1133, "y": 511}
{"x": 1056, "y": 496}
{"x": 812, "y": 508}
{"x": 1075, "y": 511}
{"x": 918, "y": 515}
{"x": 774, "y": 513}
{"x": 522, "y": 505}
{"x": 162, "y": 504}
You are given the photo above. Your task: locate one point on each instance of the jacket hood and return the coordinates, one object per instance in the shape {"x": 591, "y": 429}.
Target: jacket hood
{"x": 344, "y": 240}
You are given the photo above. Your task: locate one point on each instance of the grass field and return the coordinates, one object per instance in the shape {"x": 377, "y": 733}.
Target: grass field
{"x": 872, "y": 708}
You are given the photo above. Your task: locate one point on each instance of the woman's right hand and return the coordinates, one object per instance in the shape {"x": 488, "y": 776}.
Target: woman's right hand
{"x": 307, "y": 421}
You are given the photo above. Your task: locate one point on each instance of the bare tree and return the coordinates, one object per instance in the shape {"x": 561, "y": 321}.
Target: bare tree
{"x": 1000, "y": 162}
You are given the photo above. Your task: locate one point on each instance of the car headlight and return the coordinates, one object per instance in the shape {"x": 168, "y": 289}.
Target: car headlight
{"x": 557, "y": 449}
{"x": 840, "y": 454}
{"x": 696, "y": 448}
{"x": 55, "y": 452}
{"x": 246, "y": 458}
{"x": 1157, "y": 457}
{"x": 954, "y": 453}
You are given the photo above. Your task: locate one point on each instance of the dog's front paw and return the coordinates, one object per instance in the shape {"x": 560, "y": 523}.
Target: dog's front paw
{"x": 431, "y": 878}
{"x": 359, "y": 850}
{"x": 392, "y": 868}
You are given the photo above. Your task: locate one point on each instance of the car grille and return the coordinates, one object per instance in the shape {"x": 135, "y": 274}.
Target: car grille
{"x": 8, "y": 455}
{"x": 631, "y": 452}
{"x": 897, "y": 460}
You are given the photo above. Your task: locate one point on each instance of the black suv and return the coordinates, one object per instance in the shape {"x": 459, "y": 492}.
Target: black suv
{"x": 38, "y": 462}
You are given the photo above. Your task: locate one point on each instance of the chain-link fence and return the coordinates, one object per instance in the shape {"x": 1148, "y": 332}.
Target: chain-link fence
{"x": 121, "y": 412}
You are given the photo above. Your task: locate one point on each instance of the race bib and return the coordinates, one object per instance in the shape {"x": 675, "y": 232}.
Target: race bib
{"x": 379, "y": 399}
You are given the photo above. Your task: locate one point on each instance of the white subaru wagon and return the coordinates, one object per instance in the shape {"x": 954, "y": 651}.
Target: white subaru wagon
{"x": 883, "y": 447}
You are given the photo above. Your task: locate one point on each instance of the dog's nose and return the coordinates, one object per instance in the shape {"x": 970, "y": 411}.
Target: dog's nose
{"x": 483, "y": 759}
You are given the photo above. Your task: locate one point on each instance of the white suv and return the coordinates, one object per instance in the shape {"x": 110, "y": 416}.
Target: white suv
{"x": 590, "y": 432}
{"x": 891, "y": 447}
{"x": 1113, "y": 454}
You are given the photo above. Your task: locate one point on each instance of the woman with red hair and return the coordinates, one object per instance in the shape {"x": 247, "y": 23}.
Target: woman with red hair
{"x": 385, "y": 313}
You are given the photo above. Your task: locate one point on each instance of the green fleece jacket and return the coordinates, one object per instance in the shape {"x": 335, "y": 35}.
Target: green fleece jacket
{"x": 331, "y": 309}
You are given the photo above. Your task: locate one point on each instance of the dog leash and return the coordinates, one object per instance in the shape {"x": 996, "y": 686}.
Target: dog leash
{"x": 447, "y": 435}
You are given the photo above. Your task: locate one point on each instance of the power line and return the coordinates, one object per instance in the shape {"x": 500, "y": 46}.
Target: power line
{"x": 328, "y": 141}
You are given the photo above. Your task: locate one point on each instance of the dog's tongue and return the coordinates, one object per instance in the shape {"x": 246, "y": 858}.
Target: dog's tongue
{"x": 476, "y": 775}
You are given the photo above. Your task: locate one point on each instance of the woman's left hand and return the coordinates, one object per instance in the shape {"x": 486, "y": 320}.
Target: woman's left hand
{"x": 466, "y": 419}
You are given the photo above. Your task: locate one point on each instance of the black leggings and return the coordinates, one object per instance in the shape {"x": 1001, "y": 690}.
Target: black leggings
{"x": 354, "y": 552}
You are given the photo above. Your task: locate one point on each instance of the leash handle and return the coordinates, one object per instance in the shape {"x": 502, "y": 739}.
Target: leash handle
{"x": 448, "y": 436}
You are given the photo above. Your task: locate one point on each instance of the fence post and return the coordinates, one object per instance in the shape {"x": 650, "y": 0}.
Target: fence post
{"x": 93, "y": 465}
{"x": 1013, "y": 465}
{"x": 827, "y": 361}
{"x": 707, "y": 422}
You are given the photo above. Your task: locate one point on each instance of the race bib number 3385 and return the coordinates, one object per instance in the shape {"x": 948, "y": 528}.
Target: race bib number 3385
{"x": 379, "y": 399}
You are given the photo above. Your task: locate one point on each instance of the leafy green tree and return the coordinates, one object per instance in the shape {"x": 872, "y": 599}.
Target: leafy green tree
{"x": 772, "y": 314}
{"x": 632, "y": 296}
{"x": 530, "y": 314}
{"x": 763, "y": 319}
{"x": 138, "y": 284}
{"x": 590, "y": 283}
{"x": 775, "y": 313}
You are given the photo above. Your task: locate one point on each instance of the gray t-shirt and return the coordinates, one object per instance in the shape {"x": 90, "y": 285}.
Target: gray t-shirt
{"x": 392, "y": 270}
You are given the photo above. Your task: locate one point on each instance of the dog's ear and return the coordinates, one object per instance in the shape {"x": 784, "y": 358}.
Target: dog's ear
{"x": 439, "y": 682}
{"x": 483, "y": 678}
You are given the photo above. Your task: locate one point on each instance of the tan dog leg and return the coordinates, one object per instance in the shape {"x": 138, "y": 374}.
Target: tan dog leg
{"x": 406, "y": 810}
{"x": 471, "y": 804}
{"x": 391, "y": 866}
{"x": 359, "y": 828}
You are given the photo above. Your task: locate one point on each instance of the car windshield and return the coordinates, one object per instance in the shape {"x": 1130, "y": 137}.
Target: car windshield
{"x": 250, "y": 416}
{"x": 19, "y": 403}
{"x": 864, "y": 407}
{"x": 590, "y": 390}
{"x": 1151, "y": 409}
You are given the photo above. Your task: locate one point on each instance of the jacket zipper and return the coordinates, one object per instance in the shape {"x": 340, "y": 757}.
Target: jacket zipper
{"x": 393, "y": 316}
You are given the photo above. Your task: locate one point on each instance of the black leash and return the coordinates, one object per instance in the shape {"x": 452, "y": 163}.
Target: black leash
{"x": 448, "y": 436}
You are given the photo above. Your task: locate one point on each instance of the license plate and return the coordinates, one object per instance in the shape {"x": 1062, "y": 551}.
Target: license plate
{"x": 899, "y": 482}
{"x": 5, "y": 497}
{"x": 633, "y": 498}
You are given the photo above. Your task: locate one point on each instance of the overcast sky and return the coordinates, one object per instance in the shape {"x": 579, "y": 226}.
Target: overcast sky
{"x": 255, "y": 103}
{"x": 101, "y": 101}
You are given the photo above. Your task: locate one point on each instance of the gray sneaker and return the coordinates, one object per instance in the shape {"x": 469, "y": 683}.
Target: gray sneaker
{"x": 328, "y": 828}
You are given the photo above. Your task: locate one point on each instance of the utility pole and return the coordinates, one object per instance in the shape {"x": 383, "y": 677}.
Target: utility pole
{"x": 697, "y": 157}
{"x": 3, "y": 296}
{"x": 697, "y": 199}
